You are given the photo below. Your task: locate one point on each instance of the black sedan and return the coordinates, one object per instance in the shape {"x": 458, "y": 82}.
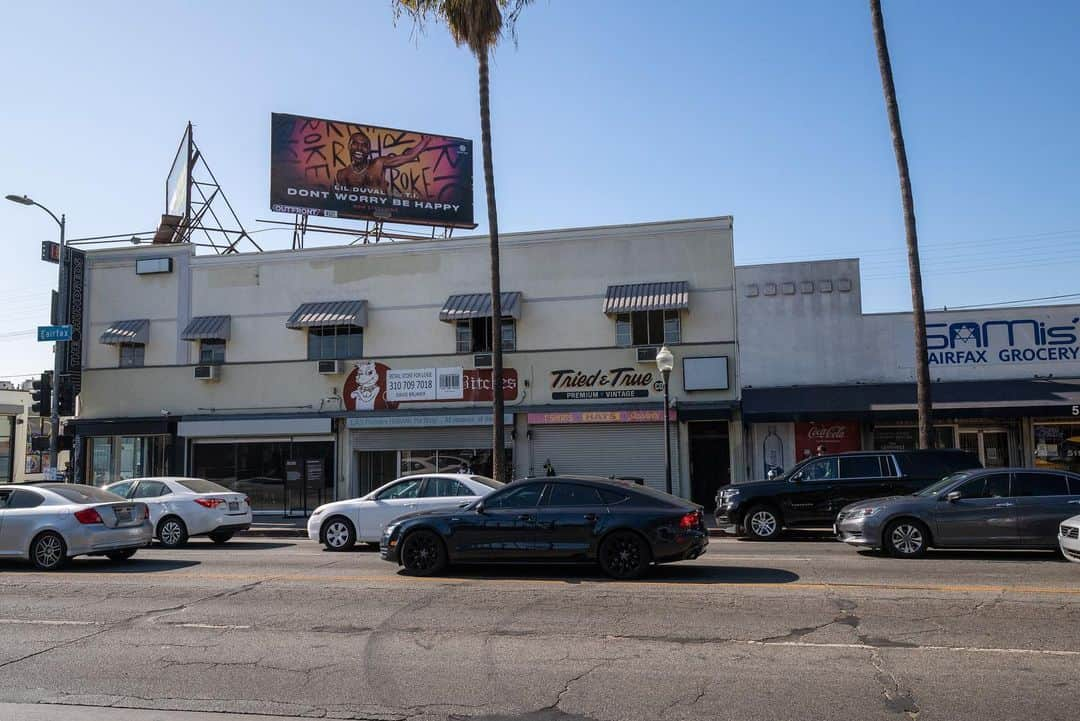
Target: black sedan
{"x": 622, "y": 526}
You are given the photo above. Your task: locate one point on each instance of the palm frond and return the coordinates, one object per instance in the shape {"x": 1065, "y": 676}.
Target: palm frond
{"x": 477, "y": 24}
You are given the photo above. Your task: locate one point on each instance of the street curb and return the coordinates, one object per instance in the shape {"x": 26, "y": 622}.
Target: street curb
{"x": 273, "y": 533}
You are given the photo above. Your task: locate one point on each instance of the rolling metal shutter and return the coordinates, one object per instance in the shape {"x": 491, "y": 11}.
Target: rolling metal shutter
{"x": 626, "y": 449}
{"x": 415, "y": 439}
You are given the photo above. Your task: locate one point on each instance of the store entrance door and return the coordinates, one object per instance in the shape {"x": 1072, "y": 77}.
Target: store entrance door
{"x": 710, "y": 461}
{"x": 990, "y": 445}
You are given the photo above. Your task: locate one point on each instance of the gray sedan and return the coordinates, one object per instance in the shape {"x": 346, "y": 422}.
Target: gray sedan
{"x": 985, "y": 508}
{"x": 48, "y": 523}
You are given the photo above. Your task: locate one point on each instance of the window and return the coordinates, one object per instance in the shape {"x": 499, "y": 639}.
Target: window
{"x": 150, "y": 489}
{"x": 489, "y": 482}
{"x": 211, "y": 352}
{"x": 992, "y": 486}
{"x": 132, "y": 355}
{"x": 442, "y": 487}
{"x": 823, "y": 469}
{"x": 121, "y": 489}
{"x": 1057, "y": 445}
{"x": 1039, "y": 484}
{"x": 571, "y": 494}
{"x": 526, "y": 496}
{"x": 82, "y": 494}
{"x": 405, "y": 489}
{"x": 7, "y": 448}
{"x": 24, "y": 499}
{"x": 474, "y": 335}
{"x": 4, "y": 496}
{"x": 610, "y": 498}
{"x": 653, "y": 327}
{"x": 860, "y": 467}
{"x": 198, "y": 485}
{"x": 335, "y": 342}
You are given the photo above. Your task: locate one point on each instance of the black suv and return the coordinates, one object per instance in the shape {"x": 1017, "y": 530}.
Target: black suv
{"x": 814, "y": 491}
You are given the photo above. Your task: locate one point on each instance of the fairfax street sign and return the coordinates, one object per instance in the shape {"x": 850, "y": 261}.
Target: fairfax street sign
{"x": 53, "y": 333}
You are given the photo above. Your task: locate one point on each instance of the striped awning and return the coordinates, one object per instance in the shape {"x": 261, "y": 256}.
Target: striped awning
{"x": 208, "y": 327}
{"x": 478, "y": 305}
{"x": 671, "y": 295}
{"x": 334, "y": 312}
{"x": 127, "y": 331}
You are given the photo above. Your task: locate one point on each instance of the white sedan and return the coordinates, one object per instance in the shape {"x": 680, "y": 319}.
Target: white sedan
{"x": 340, "y": 525}
{"x": 185, "y": 507}
{"x": 1069, "y": 538}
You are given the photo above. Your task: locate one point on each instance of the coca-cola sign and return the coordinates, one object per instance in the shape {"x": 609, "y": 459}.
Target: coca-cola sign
{"x": 817, "y": 437}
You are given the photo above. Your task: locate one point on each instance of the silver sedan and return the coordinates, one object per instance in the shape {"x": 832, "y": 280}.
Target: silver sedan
{"x": 48, "y": 523}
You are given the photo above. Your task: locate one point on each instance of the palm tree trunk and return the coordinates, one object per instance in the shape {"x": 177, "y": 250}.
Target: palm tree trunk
{"x": 918, "y": 310}
{"x": 498, "y": 431}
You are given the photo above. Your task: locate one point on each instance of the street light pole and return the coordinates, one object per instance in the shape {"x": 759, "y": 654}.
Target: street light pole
{"x": 665, "y": 361}
{"x": 59, "y": 347}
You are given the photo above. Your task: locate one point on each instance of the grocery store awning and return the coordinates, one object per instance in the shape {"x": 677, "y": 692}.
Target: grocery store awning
{"x": 127, "y": 331}
{"x": 329, "y": 313}
{"x": 478, "y": 305}
{"x": 208, "y": 327}
{"x": 671, "y": 295}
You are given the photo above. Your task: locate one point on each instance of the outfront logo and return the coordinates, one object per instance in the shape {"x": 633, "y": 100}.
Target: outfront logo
{"x": 1018, "y": 340}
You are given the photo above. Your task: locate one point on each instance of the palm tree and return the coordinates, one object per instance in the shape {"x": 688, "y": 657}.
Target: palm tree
{"x": 918, "y": 311}
{"x": 480, "y": 24}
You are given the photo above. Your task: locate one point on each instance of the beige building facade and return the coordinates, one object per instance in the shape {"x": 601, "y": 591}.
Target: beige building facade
{"x": 302, "y": 376}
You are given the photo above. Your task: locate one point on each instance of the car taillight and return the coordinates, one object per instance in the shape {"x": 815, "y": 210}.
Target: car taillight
{"x": 209, "y": 502}
{"x": 88, "y": 515}
{"x": 690, "y": 520}
{"x": 146, "y": 513}
{"x": 247, "y": 501}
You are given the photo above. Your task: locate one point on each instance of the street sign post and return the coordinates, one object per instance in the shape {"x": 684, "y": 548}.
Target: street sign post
{"x": 53, "y": 333}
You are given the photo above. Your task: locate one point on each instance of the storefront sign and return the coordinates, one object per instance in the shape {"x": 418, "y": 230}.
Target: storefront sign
{"x": 657, "y": 416}
{"x": 812, "y": 439}
{"x": 579, "y": 385}
{"x": 344, "y": 170}
{"x": 375, "y": 386}
{"x": 971, "y": 341}
{"x": 427, "y": 421}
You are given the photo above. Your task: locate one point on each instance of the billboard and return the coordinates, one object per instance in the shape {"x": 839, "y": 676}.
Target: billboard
{"x": 343, "y": 170}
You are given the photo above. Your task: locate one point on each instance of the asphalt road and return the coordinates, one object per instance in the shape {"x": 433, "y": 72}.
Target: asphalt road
{"x": 790, "y": 630}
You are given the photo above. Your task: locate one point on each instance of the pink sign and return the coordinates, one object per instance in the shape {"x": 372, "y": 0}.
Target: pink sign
{"x": 657, "y": 416}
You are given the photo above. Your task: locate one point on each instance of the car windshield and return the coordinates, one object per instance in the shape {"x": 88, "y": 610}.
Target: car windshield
{"x": 935, "y": 488}
{"x": 83, "y": 494}
{"x": 489, "y": 482}
{"x": 198, "y": 485}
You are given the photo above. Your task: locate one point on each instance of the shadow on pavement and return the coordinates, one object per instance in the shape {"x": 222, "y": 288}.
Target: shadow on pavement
{"x": 975, "y": 554}
{"x": 94, "y": 564}
{"x": 205, "y": 544}
{"x": 664, "y": 573}
{"x": 798, "y": 534}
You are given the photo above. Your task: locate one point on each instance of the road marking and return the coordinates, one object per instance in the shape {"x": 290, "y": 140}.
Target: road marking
{"x": 211, "y": 626}
{"x": 46, "y": 622}
{"x": 959, "y": 649}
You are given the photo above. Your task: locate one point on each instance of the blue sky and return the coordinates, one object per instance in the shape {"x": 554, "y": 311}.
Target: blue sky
{"x": 605, "y": 112}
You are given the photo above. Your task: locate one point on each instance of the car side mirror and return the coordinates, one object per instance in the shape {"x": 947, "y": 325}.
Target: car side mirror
{"x": 771, "y": 475}
{"x": 953, "y": 496}
{"x": 479, "y": 507}
{"x": 797, "y": 477}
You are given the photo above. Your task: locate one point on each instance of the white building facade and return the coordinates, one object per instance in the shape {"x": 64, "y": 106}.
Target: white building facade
{"x": 818, "y": 373}
{"x": 302, "y": 376}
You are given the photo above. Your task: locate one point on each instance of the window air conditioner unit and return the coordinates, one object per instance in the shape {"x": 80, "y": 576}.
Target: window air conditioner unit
{"x": 482, "y": 360}
{"x": 330, "y": 367}
{"x": 206, "y": 373}
{"x": 647, "y": 354}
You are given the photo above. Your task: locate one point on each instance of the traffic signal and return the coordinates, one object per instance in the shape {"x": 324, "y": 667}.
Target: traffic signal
{"x": 65, "y": 396}
{"x": 42, "y": 395}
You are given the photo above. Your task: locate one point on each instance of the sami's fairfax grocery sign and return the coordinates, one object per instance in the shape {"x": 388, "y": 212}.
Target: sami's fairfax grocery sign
{"x": 1016, "y": 339}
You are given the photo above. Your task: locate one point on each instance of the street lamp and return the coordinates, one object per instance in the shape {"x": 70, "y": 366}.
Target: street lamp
{"x": 59, "y": 347}
{"x": 665, "y": 361}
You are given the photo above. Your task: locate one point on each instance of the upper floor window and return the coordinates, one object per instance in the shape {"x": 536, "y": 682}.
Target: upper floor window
{"x": 132, "y": 355}
{"x": 335, "y": 342}
{"x": 474, "y": 335}
{"x": 211, "y": 352}
{"x": 652, "y": 327}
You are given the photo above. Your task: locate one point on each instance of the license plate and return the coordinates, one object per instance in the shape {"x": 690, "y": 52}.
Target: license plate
{"x": 123, "y": 514}
{"x": 234, "y": 505}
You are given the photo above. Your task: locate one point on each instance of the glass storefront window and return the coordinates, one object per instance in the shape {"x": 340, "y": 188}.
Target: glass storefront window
{"x": 476, "y": 461}
{"x": 7, "y": 448}
{"x": 118, "y": 458}
{"x": 258, "y": 470}
{"x": 1057, "y": 445}
{"x": 906, "y": 438}
{"x": 36, "y": 461}
{"x": 101, "y": 461}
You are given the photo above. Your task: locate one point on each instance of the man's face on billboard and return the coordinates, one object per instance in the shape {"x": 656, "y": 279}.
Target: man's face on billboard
{"x": 359, "y": 149}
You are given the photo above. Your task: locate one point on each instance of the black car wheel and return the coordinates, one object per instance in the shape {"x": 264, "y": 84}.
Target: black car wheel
{"x": 48, "y": 551}
{"x": 120, "y": 555}
{"x": 220, "y": 537}
{"x": 338, "y": 534}
{"x": 762, "y": 523}
{"x": 906, "y": 538}
{"x": 423, "y": 553}
{"x": 623, "y": 555}
{"x": 172, "y": 533}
